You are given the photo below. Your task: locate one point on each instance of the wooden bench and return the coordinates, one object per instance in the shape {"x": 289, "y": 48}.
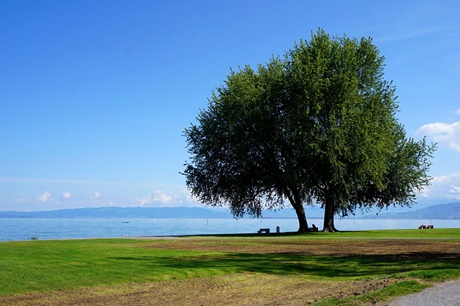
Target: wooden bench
{"x": 263, "y": 231}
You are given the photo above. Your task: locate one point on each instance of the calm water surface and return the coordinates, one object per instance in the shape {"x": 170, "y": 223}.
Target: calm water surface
{"x": 12, "y": 229}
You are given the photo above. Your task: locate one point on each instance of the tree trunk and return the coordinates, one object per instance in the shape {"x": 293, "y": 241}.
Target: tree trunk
{"x": 303, "y": 225}
{"x": 296, "y": 203}
{"x": 329, "y": 212}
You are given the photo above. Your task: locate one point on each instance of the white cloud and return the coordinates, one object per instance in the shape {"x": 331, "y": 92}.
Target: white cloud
{"x": 189, "y": 198}
{"x": 95, "y": 195}
{"x": 457, "y": 111}
{"x": 66, "y": 195}
{"x": 162, "y": 197}
{"x": 444, "y": 134}
{"x": 455, "y": 192}
{"x": 447, "y": 186}
{"x": 44, "y": 197}
{"x": 144, "y": 200}
{"x": 157, "y": 196}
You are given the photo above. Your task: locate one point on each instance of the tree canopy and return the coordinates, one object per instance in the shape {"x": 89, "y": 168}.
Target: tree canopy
{"x": 317, "y": 125}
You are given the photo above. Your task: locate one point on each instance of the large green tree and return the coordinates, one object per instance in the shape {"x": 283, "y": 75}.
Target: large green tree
{"x": 317, "y": 125}
{"x": 362, "y": 156}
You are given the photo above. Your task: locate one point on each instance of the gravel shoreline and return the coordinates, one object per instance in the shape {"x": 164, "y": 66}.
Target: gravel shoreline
{"x": 444, "y": 294}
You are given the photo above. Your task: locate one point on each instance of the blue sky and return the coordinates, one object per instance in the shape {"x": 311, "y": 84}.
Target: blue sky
{"x": 95, "y": 95}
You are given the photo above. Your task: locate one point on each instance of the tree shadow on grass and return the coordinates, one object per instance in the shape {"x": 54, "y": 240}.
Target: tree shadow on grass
{"x": 363, "y": 266}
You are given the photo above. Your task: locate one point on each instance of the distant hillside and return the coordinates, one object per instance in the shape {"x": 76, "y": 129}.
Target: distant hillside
{"x": 121, "y": 212}
{"x": 154, "y": 213}
{"x": 443, "y": 211}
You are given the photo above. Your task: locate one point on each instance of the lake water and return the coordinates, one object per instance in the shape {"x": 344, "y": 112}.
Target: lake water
{"x": 13, "y": 229}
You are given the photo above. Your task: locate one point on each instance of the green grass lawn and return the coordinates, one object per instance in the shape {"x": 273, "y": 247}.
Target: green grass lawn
{"x": 45, "y": 266}
{"x": 63, "y": 264}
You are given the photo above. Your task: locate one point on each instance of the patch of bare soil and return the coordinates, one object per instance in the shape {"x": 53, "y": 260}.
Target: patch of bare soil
{"x": 395, "y": 247}
{"x": 234, "y": 289}
{"x": 246, "y": 288}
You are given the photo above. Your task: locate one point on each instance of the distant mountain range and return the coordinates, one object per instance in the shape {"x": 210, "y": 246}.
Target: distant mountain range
{"x": 121, "y": 212}
{"x": 443, "y": 211}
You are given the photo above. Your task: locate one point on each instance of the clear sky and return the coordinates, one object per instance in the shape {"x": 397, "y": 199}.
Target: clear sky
{"x": 95, "y": 94}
